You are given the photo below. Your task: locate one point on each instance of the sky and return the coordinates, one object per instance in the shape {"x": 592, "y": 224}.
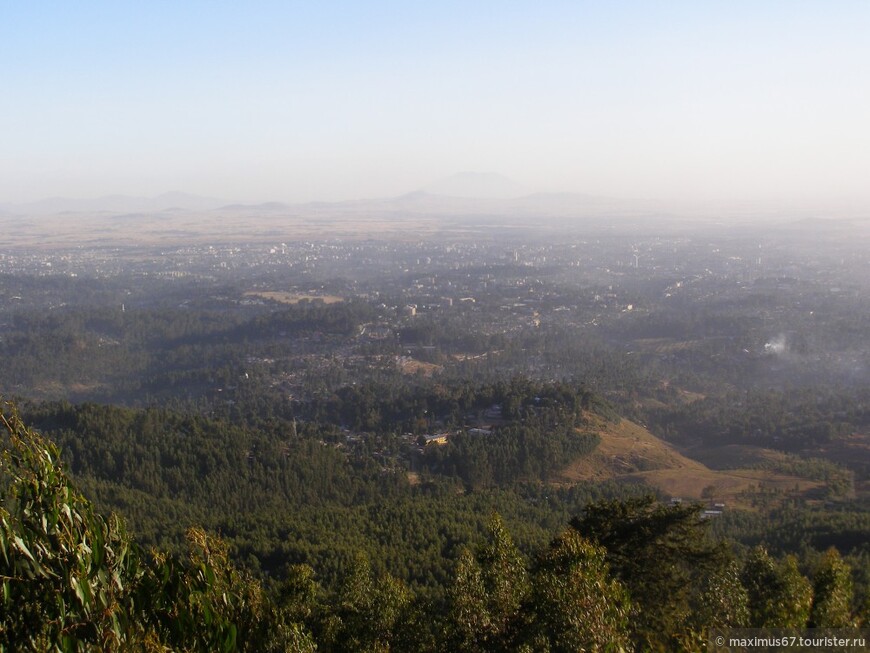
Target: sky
{"x": 297, "y": 101}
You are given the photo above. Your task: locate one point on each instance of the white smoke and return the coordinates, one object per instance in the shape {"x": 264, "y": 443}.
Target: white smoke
{"x": 776, "y": 346}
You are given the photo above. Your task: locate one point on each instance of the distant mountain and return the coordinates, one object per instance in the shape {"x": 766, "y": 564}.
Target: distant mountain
{"x": 430, "y": 204}
{"x": 471, "y": 193}
{"x": 115, "y": 204}
{"x": 488, "y": 185}
{"x": 263, "y": 206}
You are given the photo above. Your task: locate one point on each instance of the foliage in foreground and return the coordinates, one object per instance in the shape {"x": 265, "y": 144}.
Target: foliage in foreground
{"x": 74, "y": 580}
{"x": 627, "y": 575}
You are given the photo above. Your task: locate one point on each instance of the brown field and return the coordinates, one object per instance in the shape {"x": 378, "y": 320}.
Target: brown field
{"x": 411, "y": 366}
{"x": 56, "y": 390}
{"x": 291, "y": 297}
{"x": 689, "y": 397}
{"x": 630, "y": 453}
{"x": 626, "y": 448}
{"x": 152, "y": 229}
{"x": 734, "y": 456}
{"x": 851, "y": 453}
{"x": 729, "y": 486}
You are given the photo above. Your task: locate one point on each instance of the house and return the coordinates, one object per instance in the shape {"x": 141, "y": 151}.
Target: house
{"x": 435, "y": 438}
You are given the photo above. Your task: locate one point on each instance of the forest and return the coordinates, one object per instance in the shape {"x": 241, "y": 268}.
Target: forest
{"x": 74, "y": 579}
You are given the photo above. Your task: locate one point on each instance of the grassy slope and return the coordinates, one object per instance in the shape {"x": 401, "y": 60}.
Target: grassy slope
{"x": 630, "y": 453}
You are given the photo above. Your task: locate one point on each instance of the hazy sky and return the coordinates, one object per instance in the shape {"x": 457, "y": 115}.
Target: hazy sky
{"x": 338, "y": 100}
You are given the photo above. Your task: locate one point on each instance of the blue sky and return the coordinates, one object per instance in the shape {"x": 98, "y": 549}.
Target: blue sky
{"x": 740, "y": 101}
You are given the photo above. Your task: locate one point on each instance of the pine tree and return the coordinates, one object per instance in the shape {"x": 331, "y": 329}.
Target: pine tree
{"x": 662, "y": 555}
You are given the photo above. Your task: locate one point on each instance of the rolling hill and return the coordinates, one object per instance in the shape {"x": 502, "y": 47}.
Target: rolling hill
{"x": 630, "y": 453}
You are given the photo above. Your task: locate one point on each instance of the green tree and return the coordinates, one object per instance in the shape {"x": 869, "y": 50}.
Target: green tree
{"x": 662, "y": 554}
{"x": 505, "y": 578}
{"x": 832, "y": 593}
{"x": 70, "y": 577}
{"x": 369, "y": 609}
{"x": 73, "y": 580}
{"x": 204, "y": 603}
{"x": 488, "y": 593}
{"x": 779, "y": 595}
{"x": 468, "y": 618}
{"x": 297, "y": 593}
{"x": 577, "y": 605}
{"x": 722, "y": 602}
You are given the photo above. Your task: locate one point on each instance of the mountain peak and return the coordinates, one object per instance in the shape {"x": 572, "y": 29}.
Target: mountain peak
{"x": 488, "y": 185}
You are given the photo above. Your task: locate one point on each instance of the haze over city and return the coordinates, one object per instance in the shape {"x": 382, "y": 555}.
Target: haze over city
{"x": 690, "y": 102}
{"x": 401, "y": 326}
